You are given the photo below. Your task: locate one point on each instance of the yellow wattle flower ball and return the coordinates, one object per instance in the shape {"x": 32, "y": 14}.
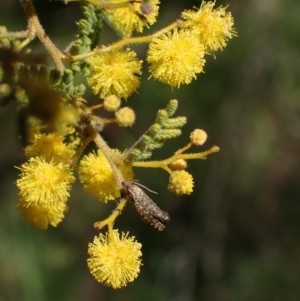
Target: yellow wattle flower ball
{"x": 213, "y": 27}
{"x": 175, "y": 58}
{"x": 52, "y": 145}
{"x": 42, "y": 216}
{"x": 133, "y": 17}
{"x": 97, "y": 177}
{"x": 44, "y": 182}
{"x": 114, "y": 260}
{"x": 114, "y": 73}
{"x": 181, "y": 182}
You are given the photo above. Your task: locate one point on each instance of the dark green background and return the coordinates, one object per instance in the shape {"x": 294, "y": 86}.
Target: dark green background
{"x": 237, "y": 237}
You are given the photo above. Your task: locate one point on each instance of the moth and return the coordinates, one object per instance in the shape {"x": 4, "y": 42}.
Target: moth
{"x": 144, "y": 205}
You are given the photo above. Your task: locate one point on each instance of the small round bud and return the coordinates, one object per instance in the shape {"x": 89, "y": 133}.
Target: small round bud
{"x": 125, "y": 117}
{"x": 181, "y": 182}
{"x": 198, "y": 137}
{"x": 146, "y": 8}
{"x": 112, "y": 103}
{"x": 5, "y": 89}
{"x": 178, "y": 165}
{"x": 97, "y": 123}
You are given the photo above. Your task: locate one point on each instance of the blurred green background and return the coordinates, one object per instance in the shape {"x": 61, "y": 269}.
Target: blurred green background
{"x": 237, "y": 237}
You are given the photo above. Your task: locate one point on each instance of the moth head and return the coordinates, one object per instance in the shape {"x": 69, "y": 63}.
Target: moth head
{"x": 126, "y": 190}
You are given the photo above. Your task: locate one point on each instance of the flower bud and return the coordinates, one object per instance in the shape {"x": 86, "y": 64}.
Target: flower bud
{"x": 125, "y": 117}
{"x": 198, "y": 137}
{"x": 111, "y": 103}
{"x": 178, "y": 165}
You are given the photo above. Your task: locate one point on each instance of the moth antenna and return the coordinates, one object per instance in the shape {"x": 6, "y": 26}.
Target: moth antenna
{"x": 138, "y": 184}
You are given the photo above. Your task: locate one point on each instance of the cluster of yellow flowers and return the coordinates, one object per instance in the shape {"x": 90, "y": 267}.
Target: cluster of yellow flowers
{"x": 45, "y": 180}
{"x": 44, "y": 185}
{"x": 176, "y": 54}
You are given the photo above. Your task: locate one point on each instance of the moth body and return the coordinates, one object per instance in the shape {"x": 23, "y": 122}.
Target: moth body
{"x": 145, "y": 206}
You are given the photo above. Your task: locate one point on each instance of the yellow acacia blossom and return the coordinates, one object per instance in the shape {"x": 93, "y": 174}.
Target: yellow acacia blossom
{"x": 181, "y": 182}
{"x": 131, "y": 18}
{"x": 97, "y": 177}
{"x": 114, "y": 73}
{"x": 114, "y": 260}
{"x": 213, "y": 27}
{"x": 44, "y": 182}
{"x": 52, "y": 145}
{"x": 175, "y": 58}
{"x": 42, "y": 216}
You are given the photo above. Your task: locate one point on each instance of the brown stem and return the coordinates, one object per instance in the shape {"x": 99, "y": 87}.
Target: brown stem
{"x": 35, "y": 29}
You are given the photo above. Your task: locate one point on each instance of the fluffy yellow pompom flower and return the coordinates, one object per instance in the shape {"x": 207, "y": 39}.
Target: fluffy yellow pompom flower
{"x": 175, "y": 58}
{"x": 114, "y": 73}
{"x": 97, "y": 177}
{"x": 42, "y": 216}
{"x": 44, "y": 183}
{"x": 132, "y": 17}
{"x": 214, "y": 27}
{"x": 51, "y": 146}
{"x": 114, "y": 260}
{"x": 181, "y": 182}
